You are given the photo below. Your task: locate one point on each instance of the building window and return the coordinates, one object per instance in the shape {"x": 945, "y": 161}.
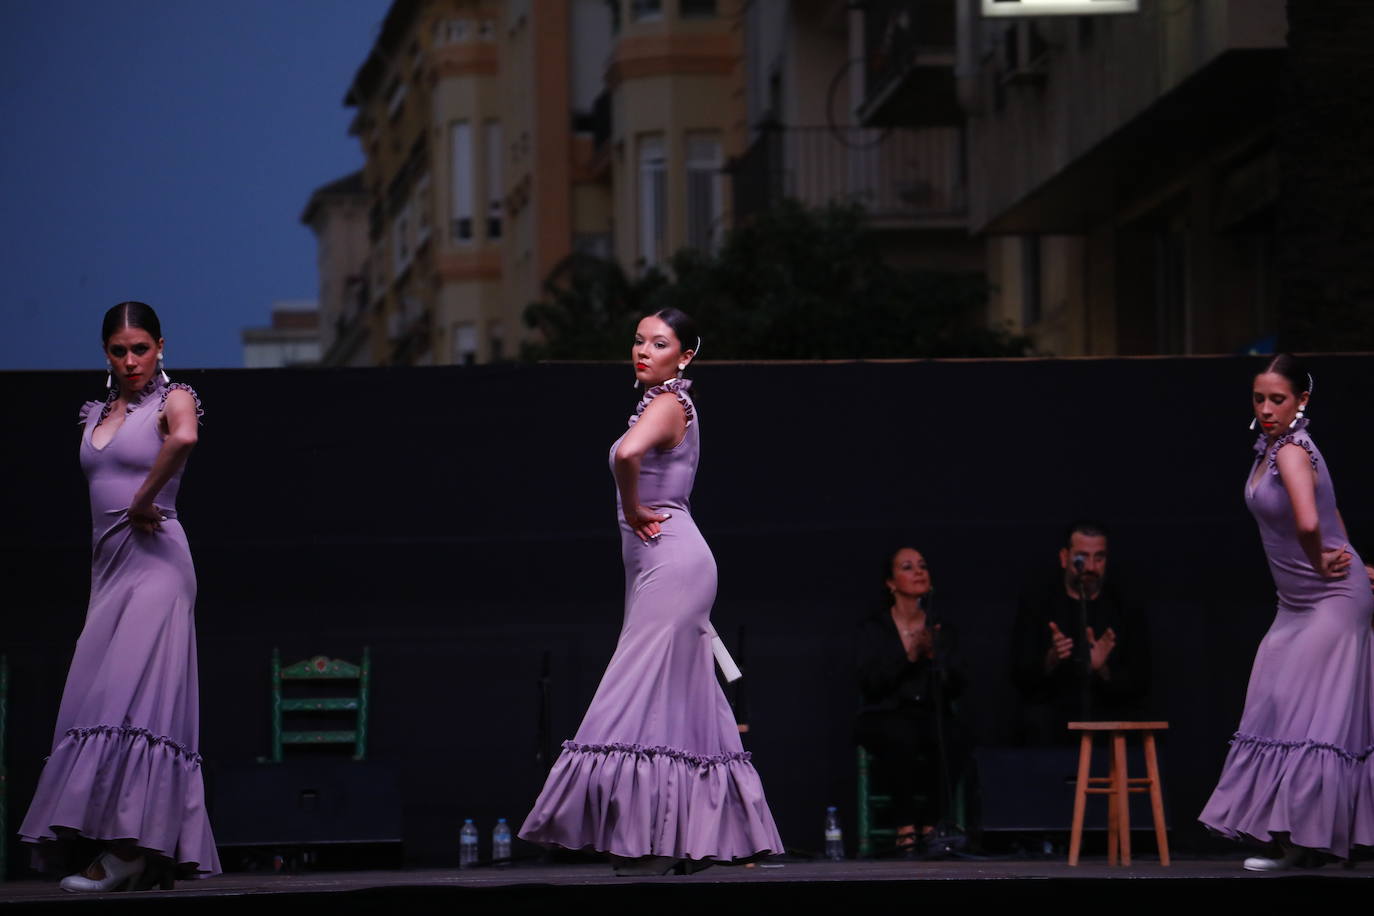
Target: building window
{"x": 653, "y": 199}
{"x": 495, "y": 182}
{"x": 696, "y": 9}
{"x": 703, "y": 190}
{"x": 486, "y": 30}
{"x": 465, "y": 343}
{"x": 1031, "y": 302}
{"x": 454, "y": 31}
{"x": 395, "y": 98}
{"x": 496, "y": 342}
{"x": 646, "y": 10}
{"x": 596, "y": 244}
{"x": 424, "y": 214}
{"x": 400, "y": 240}
{"x": 460, "y": 174}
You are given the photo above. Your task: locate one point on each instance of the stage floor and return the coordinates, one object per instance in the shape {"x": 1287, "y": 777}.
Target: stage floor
{"x": 531, "y": 888}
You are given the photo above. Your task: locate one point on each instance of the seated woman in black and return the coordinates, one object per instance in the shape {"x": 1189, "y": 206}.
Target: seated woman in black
{"x": 905, "y": 660}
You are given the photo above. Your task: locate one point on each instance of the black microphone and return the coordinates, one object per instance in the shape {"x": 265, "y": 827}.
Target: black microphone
{"x": 1079, "y": 561}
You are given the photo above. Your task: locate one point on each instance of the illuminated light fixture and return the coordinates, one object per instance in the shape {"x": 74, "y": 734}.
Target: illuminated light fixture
{"x": 1027, "y": 8}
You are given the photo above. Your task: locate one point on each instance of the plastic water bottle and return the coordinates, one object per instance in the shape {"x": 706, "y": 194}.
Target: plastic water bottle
{"x": 467, "y": 845}
{"x": 500, "y": 841}
{"x": 834, "y": 837}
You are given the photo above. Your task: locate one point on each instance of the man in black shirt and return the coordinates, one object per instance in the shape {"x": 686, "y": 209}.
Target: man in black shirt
{"x": 1079, "y": 650}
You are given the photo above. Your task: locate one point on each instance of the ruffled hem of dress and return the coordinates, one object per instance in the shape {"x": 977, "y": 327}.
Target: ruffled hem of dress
{"x": 1321, "y": 795}
{"x": 636, "y": 800}
{"x": 678, "y": 388}
{"x": 641, "y": 750}
{"x": 113, "y": 782}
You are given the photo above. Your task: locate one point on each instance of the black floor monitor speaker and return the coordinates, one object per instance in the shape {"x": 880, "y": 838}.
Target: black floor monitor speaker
{"x": 306, "y": 801}
{"x": 1031, "y": 789}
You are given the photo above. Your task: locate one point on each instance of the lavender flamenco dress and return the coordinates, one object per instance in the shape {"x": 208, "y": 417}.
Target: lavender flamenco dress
{"x": 657, "y": 767}
{"x": 124, "y": 764}
{"x": 1300, "y": 761}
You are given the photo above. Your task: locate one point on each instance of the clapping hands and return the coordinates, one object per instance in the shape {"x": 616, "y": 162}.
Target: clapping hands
{"x": 1099, "y": 647}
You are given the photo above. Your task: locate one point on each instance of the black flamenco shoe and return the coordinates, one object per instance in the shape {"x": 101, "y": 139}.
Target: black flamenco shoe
{"x": 692, "y": 866}
{"x": 157, "y": 873}
{"x": 643, "y": 866}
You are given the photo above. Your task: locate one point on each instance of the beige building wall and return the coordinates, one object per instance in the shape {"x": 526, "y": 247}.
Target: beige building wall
{"x": 468, "y": 122}
{"x": 673, "y": 83}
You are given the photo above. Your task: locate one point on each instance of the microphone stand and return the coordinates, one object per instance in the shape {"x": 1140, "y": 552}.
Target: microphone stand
{"x": 1085, "y": 704}
{"x": 948, "y": 838}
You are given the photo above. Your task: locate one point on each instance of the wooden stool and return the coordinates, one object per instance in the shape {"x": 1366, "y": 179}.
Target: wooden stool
{"x": 1117, "y": 787}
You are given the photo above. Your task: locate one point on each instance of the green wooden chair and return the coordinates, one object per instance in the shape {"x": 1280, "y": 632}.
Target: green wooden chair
{"x": 320, "y": 671}
{"x": 871, "y": 804}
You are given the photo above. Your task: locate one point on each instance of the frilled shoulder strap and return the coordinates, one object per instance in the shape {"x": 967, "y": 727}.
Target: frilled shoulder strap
{"x": 90, "y": 407}
{"x": 678, "y": 388}
{"x": 1296, "y": 437}
{"x": 168, "y": 389}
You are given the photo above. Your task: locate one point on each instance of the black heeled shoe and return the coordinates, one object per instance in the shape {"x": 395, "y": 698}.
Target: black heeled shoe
{"x": 157, "y": 873}
{"x": 643, "y": 866}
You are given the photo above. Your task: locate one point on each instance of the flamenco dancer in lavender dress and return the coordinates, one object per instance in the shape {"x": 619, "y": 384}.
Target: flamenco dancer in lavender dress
{"x": 1299, "y": 771}
{"x": 656, "y": 775}
{"x": 124, "y": 769}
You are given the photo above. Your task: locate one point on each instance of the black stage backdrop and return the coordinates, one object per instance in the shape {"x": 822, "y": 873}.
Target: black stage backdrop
{"x": 460, "y": 521}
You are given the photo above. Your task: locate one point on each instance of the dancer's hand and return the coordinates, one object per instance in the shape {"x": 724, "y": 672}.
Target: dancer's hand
{"x": 146, "y": 517}
{"x": 646, "y": 522}
{"x": 1061, "y": 647}
{"x": 1335, "y": 564}
{"x": 1100, "y": 647}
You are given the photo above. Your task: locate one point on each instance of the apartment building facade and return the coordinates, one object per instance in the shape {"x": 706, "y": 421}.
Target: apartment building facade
{"x": 805, "y": 79}
{"x": 1121, "y": 166}
{"x": 500, "y": 136}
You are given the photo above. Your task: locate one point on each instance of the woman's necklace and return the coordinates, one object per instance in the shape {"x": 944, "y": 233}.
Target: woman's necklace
{"x": 910, "y": 631}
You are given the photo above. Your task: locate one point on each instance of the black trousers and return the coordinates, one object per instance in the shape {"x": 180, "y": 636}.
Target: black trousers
{"x": 905, "y": 751}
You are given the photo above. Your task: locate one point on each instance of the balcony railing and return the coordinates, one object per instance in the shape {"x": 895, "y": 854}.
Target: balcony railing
{"x": 902, "y": 177}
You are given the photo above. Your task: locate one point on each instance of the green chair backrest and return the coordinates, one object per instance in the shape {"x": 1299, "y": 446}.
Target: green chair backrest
{"x": 316, "y": 670}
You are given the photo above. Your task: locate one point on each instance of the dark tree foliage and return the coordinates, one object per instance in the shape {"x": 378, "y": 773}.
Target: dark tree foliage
{"x": 794, "y": 283}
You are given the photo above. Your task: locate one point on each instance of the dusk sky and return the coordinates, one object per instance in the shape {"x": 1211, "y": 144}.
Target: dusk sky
{"x": 163, "y": 150}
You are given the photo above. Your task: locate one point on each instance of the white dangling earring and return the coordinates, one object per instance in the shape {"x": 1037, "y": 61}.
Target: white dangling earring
{"x": 1253, "y": 421}
{"x": 109, "y": 374}
{"x": 682, "y": 367}
{"x": 162, "y": 372}
{"x": 636, "y": 384}
{"x": 1294, "y": 424}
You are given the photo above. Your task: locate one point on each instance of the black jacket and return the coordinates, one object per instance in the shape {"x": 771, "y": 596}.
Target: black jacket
{"x": 1119, "y": 696}
{"x": 888, "y": 681}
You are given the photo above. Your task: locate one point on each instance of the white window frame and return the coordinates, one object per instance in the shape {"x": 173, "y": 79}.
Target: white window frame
{"x": 465, "y": 343}
{"x": 653, "y": 198}
{"x": 703, "y": 165}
